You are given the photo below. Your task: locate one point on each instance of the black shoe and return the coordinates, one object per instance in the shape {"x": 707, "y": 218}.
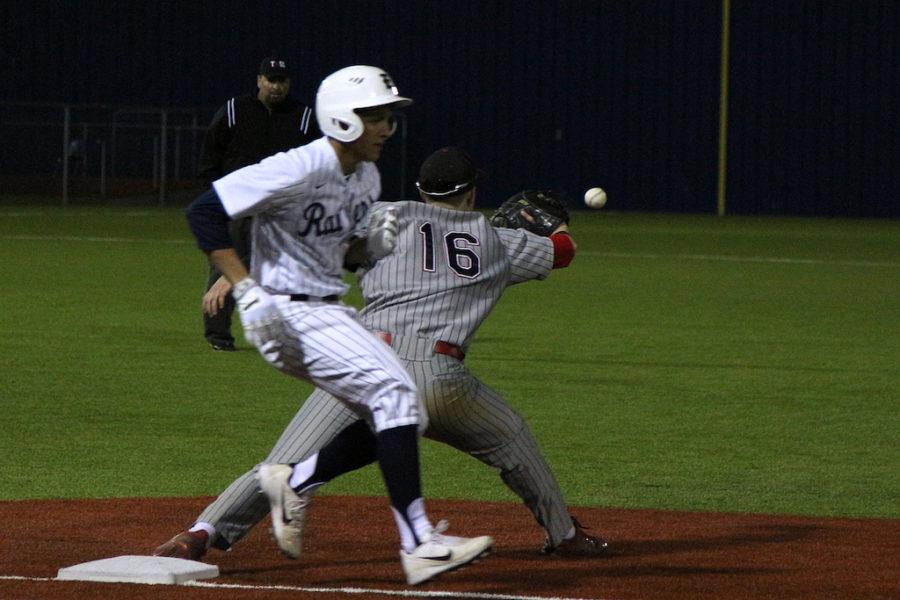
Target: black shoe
{"x": 185, "y": 545}
{"x": 222, "y": 346}
{"x": 582, "y": 544}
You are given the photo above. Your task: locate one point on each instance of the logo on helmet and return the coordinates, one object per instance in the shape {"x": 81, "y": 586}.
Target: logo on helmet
{"x": 388, "y": 82}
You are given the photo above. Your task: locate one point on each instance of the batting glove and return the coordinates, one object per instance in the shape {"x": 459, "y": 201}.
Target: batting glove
{"x": 259, "y": 314}
{"x": 384, "y": 225}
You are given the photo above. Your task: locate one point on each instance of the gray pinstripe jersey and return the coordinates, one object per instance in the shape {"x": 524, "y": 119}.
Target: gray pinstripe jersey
{"x": 448, "y": 272}
{"x": 305, "y": 208}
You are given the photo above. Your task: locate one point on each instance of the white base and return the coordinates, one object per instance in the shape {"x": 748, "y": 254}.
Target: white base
{"x": 139, "y": 569}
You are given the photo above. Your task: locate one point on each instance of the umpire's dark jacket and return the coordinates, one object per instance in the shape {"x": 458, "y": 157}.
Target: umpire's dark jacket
{"x": 243, "y": 132}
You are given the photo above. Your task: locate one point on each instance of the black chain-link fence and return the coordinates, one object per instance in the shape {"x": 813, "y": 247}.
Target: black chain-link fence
{"x": 81, "y": 154}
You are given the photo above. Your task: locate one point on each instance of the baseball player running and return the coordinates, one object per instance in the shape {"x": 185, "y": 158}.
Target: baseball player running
{"x": 428, "y": 298}
{"x": 307, "y": 204}
{"x": 245, "y": 130}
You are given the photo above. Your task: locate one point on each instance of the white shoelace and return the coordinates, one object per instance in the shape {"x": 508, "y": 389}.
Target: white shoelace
{"x": 295, "y": 507}
{"x": 438, "y": 537}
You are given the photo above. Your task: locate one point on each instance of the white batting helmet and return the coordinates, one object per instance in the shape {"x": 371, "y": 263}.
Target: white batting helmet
{"x": 344, "y": 91}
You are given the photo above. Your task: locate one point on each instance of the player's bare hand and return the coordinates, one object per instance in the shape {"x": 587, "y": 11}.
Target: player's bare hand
{"x": 214, "y": 298}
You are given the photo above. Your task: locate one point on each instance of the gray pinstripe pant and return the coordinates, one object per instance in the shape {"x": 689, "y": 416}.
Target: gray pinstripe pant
{"x": 463, "y": 412}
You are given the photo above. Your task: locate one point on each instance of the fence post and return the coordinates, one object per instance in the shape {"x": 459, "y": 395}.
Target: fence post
{"x": 177, "y": 158}
{"x": 67, "y": 118}
{"x": 84, "y": 150}
{"x": 723, "y": 110}
{"x": 163, "y": 125}
{"x": 155, "y": 162}
{"x": 102, "y": 169}
{"x": 194, "y": 150}
{"x": 113, "y": 154}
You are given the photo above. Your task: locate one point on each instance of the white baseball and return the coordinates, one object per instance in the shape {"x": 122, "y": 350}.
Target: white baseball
{"x": 595, "y": 197}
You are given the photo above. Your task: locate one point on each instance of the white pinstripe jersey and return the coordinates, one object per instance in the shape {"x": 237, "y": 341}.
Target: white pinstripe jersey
{"x": 447, "y": 272}
{"x": 304, "y": 209}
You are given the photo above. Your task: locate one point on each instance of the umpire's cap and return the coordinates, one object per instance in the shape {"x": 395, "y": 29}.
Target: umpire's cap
{"x": 447, "y": 172}
{"x": 273, "y": 66}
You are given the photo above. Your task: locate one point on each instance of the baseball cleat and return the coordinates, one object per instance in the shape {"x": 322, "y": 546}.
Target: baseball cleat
{"x": 222, "y": 346}
{"x": 581, "y": 544}
{"x": 288, "y": 508}
{"x": 189, "y": 545}
{"x": 442, "y": 553}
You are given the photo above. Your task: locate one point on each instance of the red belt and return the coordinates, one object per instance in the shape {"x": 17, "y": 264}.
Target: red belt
{"x": 440, "y": 347}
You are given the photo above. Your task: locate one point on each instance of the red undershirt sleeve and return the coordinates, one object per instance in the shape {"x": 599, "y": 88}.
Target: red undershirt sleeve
{"x": 563, "y": 249}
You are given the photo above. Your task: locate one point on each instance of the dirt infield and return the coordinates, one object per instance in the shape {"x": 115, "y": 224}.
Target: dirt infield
{"x": 351, "y": 543}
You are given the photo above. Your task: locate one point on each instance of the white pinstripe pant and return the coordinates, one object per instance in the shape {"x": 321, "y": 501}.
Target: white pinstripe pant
{"x": 325, "y": 344}
{"x": 463, "y": 413}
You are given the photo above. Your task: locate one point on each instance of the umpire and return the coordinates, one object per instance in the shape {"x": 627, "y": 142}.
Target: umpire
{"x": 243, "y": 132}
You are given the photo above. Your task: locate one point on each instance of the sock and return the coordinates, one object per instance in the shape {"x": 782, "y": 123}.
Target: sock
{"x": 351, "y": 449}
{"x": 398, "y": 457}
{"x": 303, "y": 471}
{"x": 414, "y": 526}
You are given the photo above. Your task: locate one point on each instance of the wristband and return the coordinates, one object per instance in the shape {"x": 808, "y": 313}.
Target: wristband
{"x": 241, "y": 287}
{"x": 563, "y": 249}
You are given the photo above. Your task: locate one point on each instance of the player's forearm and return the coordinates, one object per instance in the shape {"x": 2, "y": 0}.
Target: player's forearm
{"x": 356, "y": 254}
{"x": 228, "y": 263}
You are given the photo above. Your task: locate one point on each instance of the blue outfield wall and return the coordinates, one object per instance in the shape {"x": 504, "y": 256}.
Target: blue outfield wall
{"x": 814, "y": 117}
{"x": 568, "y": 94}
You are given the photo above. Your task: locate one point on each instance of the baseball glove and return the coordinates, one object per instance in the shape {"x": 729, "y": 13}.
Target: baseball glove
{"x": 538, "y": 211}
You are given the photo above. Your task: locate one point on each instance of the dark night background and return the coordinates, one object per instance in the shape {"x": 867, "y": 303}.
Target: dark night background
{"x": 565, "y": 94}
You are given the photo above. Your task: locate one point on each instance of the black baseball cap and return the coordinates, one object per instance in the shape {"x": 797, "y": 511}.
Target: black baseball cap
{"x": 447, "y": 172}
{"x": 273, "y": 66}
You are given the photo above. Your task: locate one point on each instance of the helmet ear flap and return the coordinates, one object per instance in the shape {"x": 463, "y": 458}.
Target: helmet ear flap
{"x": 345, "y": 127}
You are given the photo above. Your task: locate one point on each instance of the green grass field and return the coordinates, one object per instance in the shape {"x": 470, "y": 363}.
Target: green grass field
{"x": 684, "y": 362}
